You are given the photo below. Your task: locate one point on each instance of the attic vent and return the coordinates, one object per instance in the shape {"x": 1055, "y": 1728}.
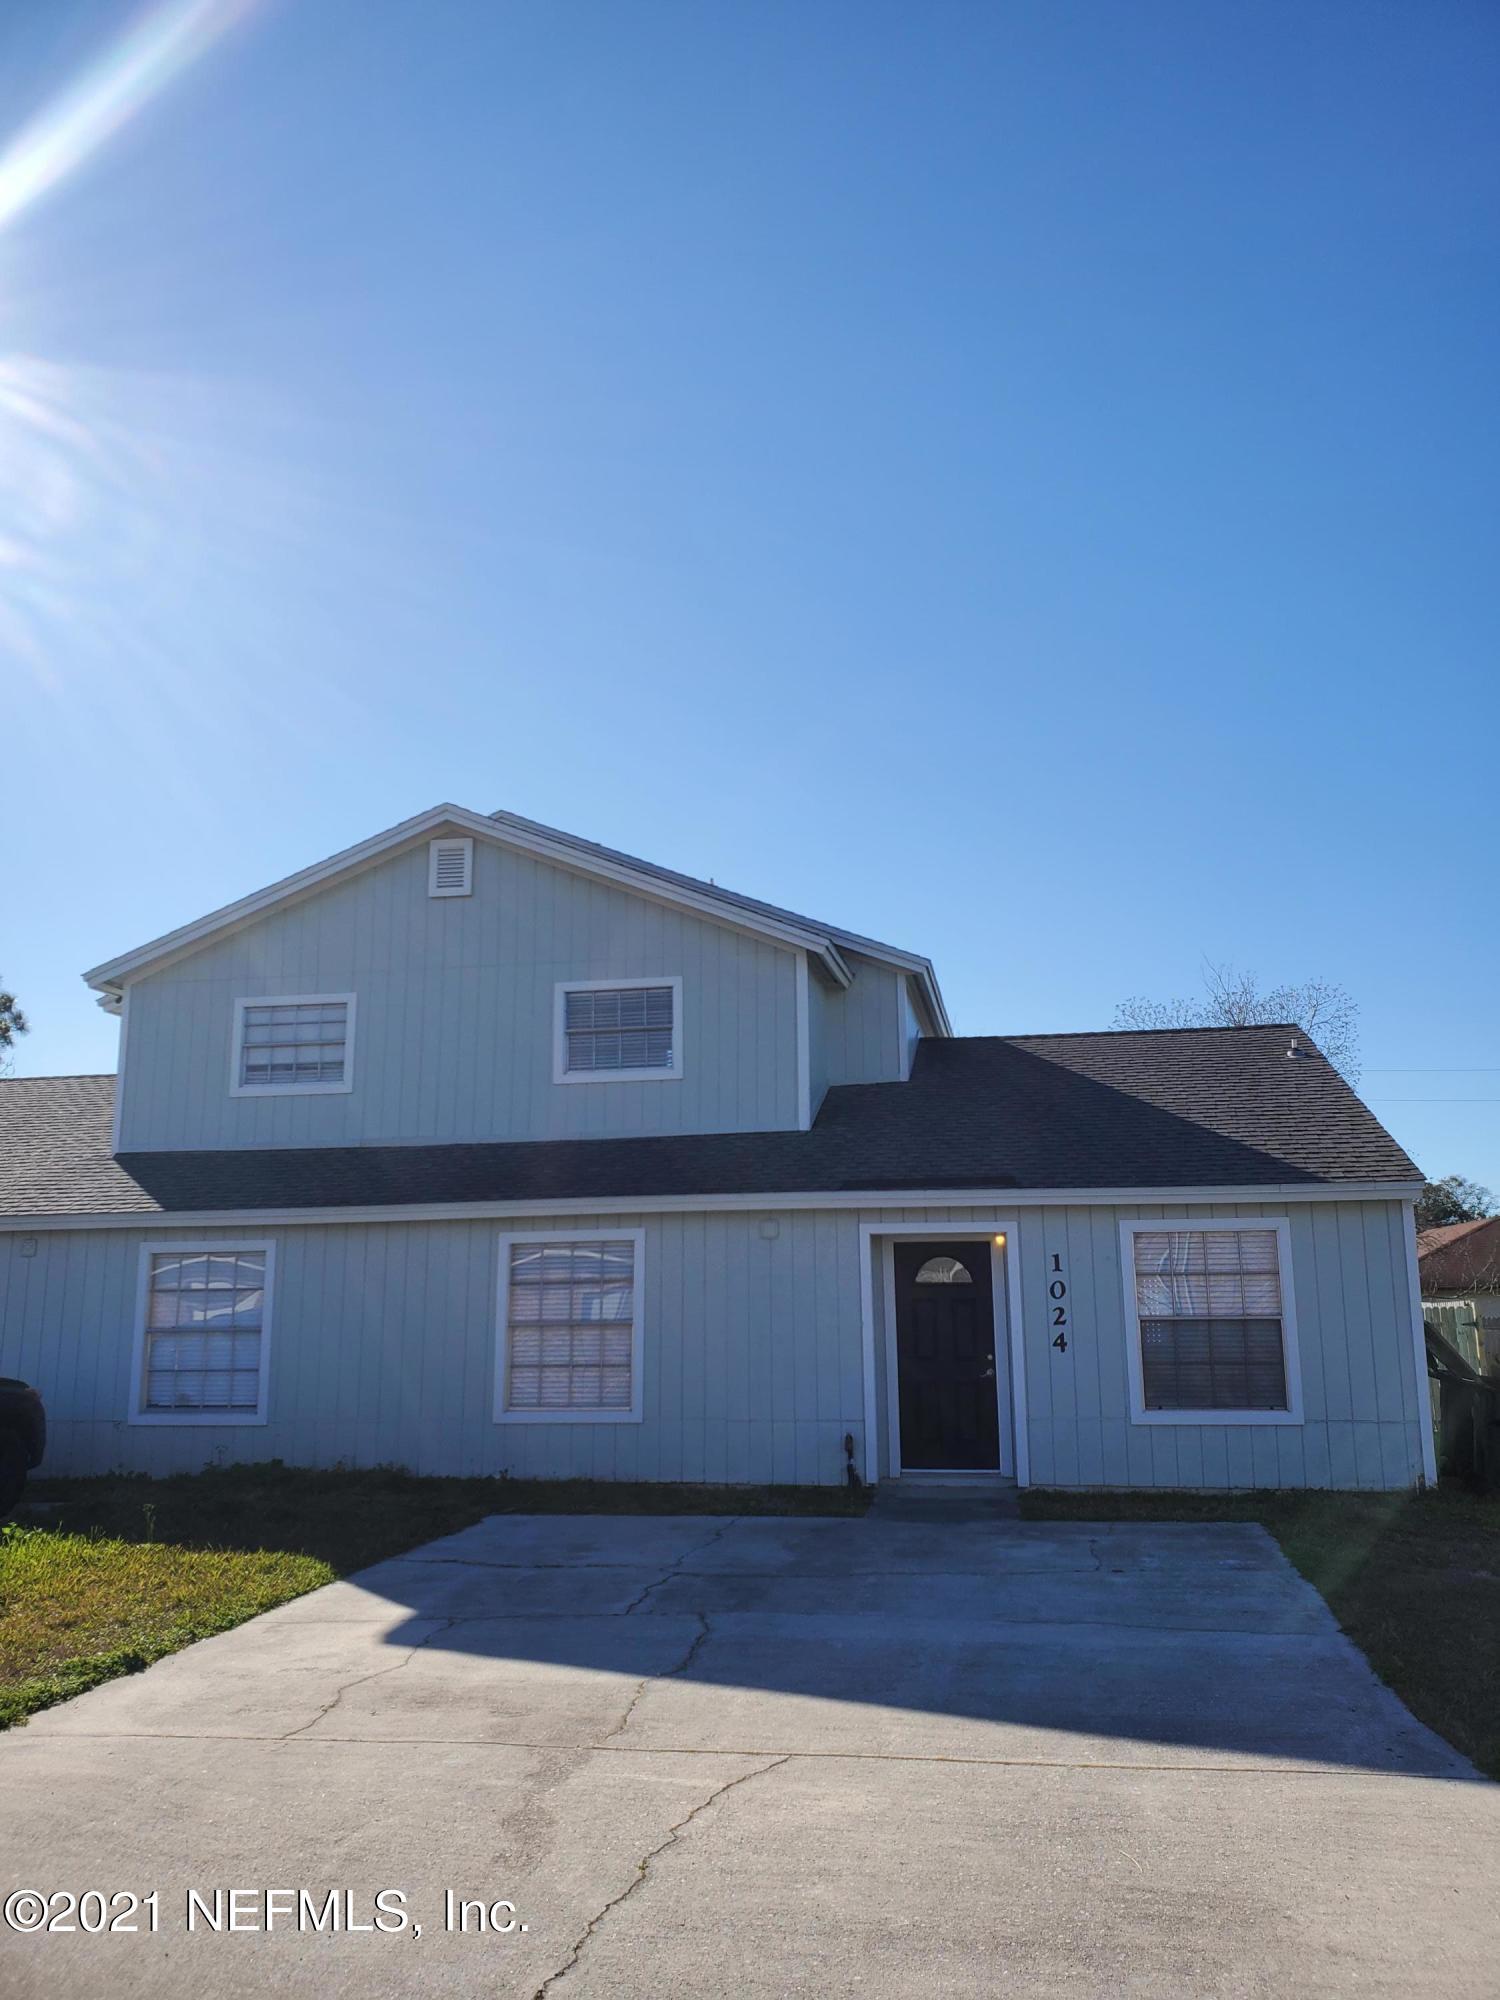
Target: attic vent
{"x": 450, "y": 867}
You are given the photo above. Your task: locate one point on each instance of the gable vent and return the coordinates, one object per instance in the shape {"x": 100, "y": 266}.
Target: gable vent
{"x": 450, "y": 867}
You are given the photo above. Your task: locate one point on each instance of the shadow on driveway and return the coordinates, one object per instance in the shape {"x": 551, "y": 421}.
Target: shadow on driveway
{"x": 1007, "y": 1642}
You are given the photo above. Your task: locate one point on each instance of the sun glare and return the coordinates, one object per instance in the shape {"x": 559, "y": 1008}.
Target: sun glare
{"x": 87, "y": 454}
{"x": 136, "y": 66}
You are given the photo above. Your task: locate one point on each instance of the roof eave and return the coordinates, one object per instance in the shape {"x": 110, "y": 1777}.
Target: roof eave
{"x": 917, "y": 1196}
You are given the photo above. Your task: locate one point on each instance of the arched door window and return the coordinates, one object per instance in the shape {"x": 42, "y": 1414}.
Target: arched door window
{"x": 943, "y": 1271}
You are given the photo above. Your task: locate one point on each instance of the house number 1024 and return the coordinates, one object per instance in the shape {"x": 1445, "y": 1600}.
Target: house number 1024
{"x": 1057, "y": 1292}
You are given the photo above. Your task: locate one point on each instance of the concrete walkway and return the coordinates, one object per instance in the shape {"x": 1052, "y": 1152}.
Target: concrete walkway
{"x": 770, "y": 1757}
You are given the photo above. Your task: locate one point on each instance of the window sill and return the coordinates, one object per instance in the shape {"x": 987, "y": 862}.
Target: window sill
{"x": 195, "y": 1419}
{"x": 1215, "y": 1417}
{"x": 568, "y": 1417}
{"x": 618, "y": 1076}
{"x": 291, "y": 1089}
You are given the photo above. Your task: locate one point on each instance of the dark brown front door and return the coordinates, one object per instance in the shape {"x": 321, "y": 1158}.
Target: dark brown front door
{"x": 945, "y": 1358}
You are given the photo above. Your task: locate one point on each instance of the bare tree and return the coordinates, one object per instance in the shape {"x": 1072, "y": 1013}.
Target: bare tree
{"x": 1453, "y": 1199}
{"x": 1232, "y": 999}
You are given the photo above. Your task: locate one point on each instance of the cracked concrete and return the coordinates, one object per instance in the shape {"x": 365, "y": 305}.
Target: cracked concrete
{"x": 375, "y": 1674}
{"x": 642, "y": 1868}
{"x": 1071, "y": 1760}
{"x": 676, "y": 1569}
{"x": 669, "y": 1673}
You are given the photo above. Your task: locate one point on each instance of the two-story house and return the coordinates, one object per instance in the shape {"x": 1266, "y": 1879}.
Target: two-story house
{"x": 483, "y": 1148}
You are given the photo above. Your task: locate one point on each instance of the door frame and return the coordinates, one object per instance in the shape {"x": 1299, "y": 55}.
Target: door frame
{"x": 1005, "y": 1284}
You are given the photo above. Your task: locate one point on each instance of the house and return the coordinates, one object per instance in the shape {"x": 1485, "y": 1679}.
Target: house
{"x": 483, "y": 1148}
{"x": 1459, "y": 1266}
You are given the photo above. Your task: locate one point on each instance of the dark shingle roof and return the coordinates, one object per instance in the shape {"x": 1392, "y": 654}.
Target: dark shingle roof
{"x": 1216, "y": 1107}
{"x": 54, "y": 1148}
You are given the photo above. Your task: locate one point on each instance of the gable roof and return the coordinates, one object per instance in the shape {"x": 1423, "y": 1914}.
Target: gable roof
{"x": 1460, "y": 1256}
{"x": 580, "y": 849}
{"x": 824, "y": 942}
{"x": 1198, "y": 1108}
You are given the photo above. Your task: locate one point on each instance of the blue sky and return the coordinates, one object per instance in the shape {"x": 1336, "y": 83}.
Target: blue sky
{"x": 1015, "y": 479}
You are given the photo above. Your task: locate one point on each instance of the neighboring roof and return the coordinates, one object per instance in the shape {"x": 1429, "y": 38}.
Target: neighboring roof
{"x": 547, "y": 843}
{"x": 1196, "y": 1107}
{"x": 1460, "y": 1256}
{"x": 1446, "y": 1232}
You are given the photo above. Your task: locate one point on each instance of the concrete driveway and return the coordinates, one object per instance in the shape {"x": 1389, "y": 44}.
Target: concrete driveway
{"x": 768, "y": 1757}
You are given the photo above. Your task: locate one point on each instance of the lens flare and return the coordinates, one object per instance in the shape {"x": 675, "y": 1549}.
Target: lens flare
{"x": 139, "y": 64}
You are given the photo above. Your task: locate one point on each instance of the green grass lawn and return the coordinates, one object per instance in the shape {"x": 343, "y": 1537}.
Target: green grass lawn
{"x": 1413, "y": 1578}
{"x": 119, "y": 1571}
{"x": 79, "y": 1609}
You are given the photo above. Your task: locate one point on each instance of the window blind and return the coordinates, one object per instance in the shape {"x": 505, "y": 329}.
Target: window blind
{"x": 615, "y": 1028}
{"x": 205, "y": 1316}
{"x": 291, "y": 1042}
{"x": 570, "y": 1326}
{"x": 1210, "y": 1309}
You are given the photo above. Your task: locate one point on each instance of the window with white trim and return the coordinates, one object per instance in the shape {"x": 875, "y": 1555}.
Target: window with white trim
{"x": 570, "y": 1346}
{"x": 1209, "y": 1308}
{"x": 298, "y": 1043}
{"x": 618, "y": 1032}
{"x": 201, "y": 1348}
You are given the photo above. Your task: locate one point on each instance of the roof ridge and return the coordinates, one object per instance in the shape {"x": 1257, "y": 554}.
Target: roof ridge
{"x": 503, "y": 816}
{"x": 68, "y": 1076}
{"x": 1096, "y": 1034}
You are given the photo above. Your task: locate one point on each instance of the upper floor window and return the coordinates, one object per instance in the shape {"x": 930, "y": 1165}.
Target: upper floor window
{"x": 202, "y": 1333}
{"x": 618, "y": 1031}
{"x": 293, "y": 1043}
{"x": 1213, "y": 1337}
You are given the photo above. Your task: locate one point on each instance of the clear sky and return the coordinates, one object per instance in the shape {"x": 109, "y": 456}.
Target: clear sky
{"x": 1017, "y": 479}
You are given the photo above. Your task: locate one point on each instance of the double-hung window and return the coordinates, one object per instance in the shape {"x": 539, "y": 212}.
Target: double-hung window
{"x": 1212, "y": 1330}
{"x": 569, "y": 1347}
{"x": 618, "y": 1031}
{"x": 202, "y": 1334}
{"x": 293, "y": 1044}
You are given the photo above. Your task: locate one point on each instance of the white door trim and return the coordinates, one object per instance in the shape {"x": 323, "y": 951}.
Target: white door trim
{"x": 1004, "y": 1281}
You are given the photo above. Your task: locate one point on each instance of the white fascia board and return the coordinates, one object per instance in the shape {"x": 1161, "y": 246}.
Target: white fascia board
{"x": 174, "y": 944}
{"x": 932, "y": 996}
{"x": 111, "y": 976}
{"x": 837, "y": 966}
{"x": 705, "y": 1204}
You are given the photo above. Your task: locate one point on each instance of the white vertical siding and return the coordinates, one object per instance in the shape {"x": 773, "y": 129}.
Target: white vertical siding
{"x": 384, "y": 1344}
{"x": 455, "y": 1015}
